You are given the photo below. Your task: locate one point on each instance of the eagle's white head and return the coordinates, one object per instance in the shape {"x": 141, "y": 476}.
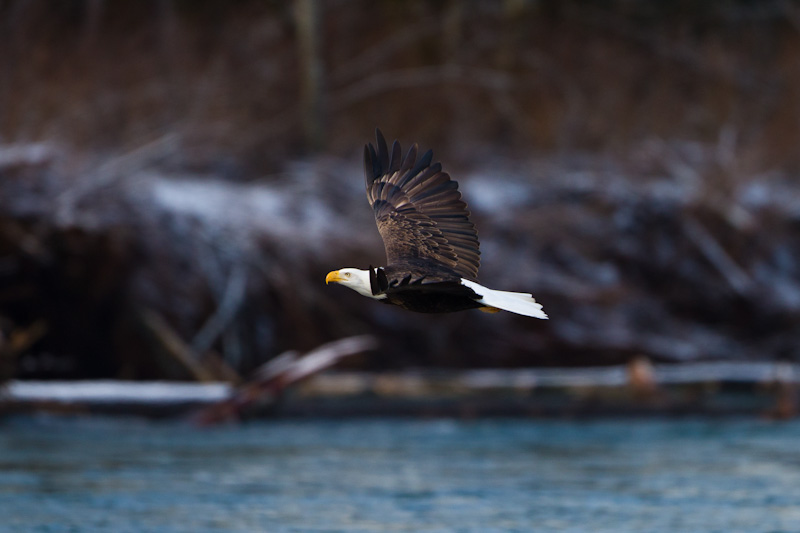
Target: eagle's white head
{"x": 355, "y": 279}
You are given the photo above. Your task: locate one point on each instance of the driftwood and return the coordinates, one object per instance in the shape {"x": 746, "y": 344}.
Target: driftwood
{"x": 220, "y": 401}
{"x": 272, "y": 379}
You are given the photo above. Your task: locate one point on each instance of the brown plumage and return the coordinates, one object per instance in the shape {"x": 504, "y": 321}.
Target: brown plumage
{"x": 418, "y": 209}
{"x": 432, "y": 247}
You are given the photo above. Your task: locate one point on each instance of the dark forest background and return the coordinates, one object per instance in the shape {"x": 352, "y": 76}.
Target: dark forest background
{"x": 177, "y": 177}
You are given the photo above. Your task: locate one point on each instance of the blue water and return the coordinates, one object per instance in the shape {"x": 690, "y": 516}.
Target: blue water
{"x": 389, "y": 475}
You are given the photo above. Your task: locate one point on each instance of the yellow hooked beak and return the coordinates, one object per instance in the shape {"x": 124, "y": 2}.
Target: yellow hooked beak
{"x": 333, "y": 277}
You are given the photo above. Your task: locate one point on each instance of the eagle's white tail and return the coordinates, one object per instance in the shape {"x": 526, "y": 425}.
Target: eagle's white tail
{"x": 516, "y": 302}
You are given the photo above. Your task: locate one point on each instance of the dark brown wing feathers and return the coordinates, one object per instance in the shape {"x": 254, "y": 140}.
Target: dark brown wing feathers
{"x": 418, "y": 209}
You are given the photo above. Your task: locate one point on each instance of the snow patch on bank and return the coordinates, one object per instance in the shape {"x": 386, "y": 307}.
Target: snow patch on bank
{"x": 108, "y": 391}
{"x": 275, "y": 211}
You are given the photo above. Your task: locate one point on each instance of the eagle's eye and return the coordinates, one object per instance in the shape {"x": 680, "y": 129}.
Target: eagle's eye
{"x": 347, "y": 274}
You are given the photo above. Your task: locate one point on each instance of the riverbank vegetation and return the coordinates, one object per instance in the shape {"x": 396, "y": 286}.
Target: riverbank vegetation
{"x": 176, "y": 178}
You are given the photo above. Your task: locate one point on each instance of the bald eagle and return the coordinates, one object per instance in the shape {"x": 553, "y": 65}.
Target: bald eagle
{"x": 431, "y": 245}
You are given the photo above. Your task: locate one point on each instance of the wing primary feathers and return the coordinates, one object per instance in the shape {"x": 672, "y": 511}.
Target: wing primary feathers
{"x": 423, "y": 162}
{"x": 420, "y": 178}
{"x": 380, "y": 161}
{"x": 419, "y": 211}
{"x": 372, "y": 163}
{"x": 395, "y": 161}
{"x": 410, "y": 159}
{"x": 383, "y": 151}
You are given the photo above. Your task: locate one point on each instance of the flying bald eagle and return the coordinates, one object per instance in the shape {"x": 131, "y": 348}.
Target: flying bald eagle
{"x": 431, "y": 245}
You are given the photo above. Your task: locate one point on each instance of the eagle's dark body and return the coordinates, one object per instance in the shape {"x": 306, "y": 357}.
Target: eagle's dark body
{"x": 423, "y": 288}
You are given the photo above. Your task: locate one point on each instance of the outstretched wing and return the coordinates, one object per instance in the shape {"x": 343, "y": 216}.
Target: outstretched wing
{"x": 418, "y": 209}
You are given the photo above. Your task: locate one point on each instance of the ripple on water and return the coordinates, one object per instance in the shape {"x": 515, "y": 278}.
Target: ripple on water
{"x": 401, "y": 475}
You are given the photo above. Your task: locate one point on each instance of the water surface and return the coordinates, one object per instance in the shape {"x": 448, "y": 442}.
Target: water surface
{"x": 400, "y": 475}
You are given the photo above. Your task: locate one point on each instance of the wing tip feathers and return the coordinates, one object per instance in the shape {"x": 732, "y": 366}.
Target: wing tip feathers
{"x": 427, "y": 184}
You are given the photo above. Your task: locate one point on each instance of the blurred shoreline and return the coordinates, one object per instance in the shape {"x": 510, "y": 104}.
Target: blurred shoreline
{"x": 177, "y": 178}
{"x": 766, "y": 390}
{"x": 104, "y": 272}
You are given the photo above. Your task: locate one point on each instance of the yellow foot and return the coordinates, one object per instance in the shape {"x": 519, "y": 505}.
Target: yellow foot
{"x": 489, "y": 309}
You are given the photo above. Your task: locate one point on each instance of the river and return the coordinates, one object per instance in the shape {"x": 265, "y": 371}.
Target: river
{"x": 123, "y": 475}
